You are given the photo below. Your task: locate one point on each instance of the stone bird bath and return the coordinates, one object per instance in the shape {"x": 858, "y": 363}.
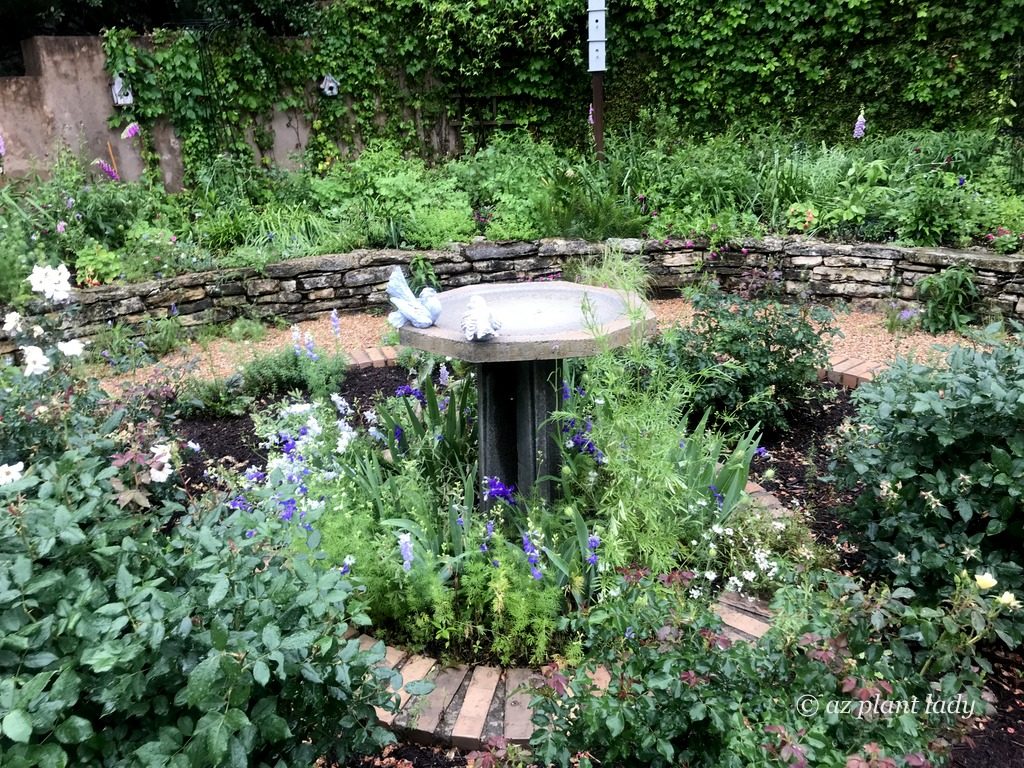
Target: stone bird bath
{"x": 518, "y": 385}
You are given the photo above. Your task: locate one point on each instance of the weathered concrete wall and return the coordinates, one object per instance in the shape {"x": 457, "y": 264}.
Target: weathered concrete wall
{"x": 306, "y": 288}
{"x": 64, "y": 98}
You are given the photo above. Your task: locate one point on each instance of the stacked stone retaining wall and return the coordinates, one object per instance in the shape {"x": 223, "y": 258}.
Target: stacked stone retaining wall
{"x": 303, "y": 289}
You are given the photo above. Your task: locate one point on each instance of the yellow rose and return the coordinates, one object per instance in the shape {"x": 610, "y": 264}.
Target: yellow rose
{"x": 1008, "y": 600}
{"x": 985, "y": 580}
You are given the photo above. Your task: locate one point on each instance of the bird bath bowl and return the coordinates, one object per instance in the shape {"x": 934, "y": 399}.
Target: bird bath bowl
{"x": 517, "y": 370}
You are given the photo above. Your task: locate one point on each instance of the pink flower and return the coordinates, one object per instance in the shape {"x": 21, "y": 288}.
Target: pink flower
{"x": 107, "y": 168}
{"x": 61, "y": 226}
{"x": 3, "y": 147}
{"x": 131, "y": 131}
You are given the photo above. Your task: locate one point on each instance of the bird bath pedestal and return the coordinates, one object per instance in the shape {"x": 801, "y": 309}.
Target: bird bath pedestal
{"x": 517, "y": 378}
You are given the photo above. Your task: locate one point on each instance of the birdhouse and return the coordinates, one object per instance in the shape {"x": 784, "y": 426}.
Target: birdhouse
{"x": 329, "y": 86}
{"x": 121, "y": 92}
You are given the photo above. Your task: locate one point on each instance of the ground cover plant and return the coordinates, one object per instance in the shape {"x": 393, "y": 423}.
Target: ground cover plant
{"x": 144, "y": 627}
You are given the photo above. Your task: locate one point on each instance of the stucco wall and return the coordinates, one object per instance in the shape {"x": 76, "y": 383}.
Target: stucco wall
{"x": 64, "y": 98}
{"x": 303, "y": 289}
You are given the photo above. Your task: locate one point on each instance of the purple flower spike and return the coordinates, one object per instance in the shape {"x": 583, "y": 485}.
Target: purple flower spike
{"x": 859, "y": 126}
{"x": 107, "y": 168}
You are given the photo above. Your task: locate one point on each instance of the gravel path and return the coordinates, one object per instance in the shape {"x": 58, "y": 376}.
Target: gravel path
{"x": 864, "y": 336}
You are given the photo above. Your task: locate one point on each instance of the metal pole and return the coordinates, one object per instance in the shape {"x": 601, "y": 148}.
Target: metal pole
{"x": 597, "y": 85}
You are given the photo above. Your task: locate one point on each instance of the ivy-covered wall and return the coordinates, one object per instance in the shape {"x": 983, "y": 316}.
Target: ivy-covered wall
{"x": 405, "y": 67}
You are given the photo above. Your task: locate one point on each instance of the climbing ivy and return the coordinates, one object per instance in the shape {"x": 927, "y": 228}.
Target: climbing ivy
{"x": 404, "y": 66}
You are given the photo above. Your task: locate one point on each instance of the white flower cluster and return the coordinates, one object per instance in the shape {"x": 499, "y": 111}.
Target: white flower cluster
{"x": 765, "y": 564}
{"x": 53, "y": 282}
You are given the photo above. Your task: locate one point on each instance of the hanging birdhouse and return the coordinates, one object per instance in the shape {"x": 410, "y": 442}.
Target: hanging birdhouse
{"x": 329, "y": 86}
{"x": 121, "y": 92}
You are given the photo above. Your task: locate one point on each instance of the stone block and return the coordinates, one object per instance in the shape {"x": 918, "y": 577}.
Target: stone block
{"x": 332, "y": 262}
{"x": 805, "y": 261}
{"x": 225, "y": 289}
{"x": 850, "y": 274}
{"x": 195, "y": 306}
{"x": 489, "y": 251}
{"x": 369, "y": 276}
{"x": 554, "y": 246}
{"x": 281, "y": 297}
{"x": 261, "y": 286}
{"x": 626, "y": 244}
{"x": 323, "y": 293}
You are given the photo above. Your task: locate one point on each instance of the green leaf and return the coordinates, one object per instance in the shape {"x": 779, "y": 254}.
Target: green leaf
{"x": 74, "y": 730}
{"x": 419, "y": 687}
{"x": 698, "y": 711}
{"x": 615, "y": 724}
{"x": 202, "y": 679}
{"x": 218, "y": 593}
{"x": 17, "y": 726}
{"x": 271, "y": 637}
{"x": 261, "y": 672}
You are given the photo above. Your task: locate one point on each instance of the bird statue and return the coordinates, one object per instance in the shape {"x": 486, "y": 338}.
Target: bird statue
{"x": 419, "y": 312}
{"x": 478, "y": 323}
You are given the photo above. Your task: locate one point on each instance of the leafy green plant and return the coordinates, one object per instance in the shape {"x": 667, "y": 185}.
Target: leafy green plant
{"x": 768, "y": 354}
{"x": 299, "y": 369}
{"x": 681, "y": 691}
{"x": 206, "y": 642}
{"x": 950, "y": 299}
{"x": 938, "y": 451}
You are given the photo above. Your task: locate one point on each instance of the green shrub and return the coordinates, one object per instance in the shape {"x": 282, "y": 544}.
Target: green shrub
{"x": 683, "y": 693}
{"x": 939, "y": 453}
{"x": 300, "y": 369}
{"x": 950, "y": 299}
{"x": 768, "y": 355}
{"x": 132, "y": 640}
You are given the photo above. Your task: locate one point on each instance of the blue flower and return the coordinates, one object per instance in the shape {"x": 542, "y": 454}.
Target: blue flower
{"x": 335, "y": 323}
{"x": 405, "y": 550}
{"x": 398, "y": 433}
{"x": 719, "y": 498}
{"x": 250, "y": 533}
{"x": 240, "y": 503}
{"x": 288, "y": 507}
{"x": 406, "y": 391}
{"x": 443, "y": 376}
{"x": 253, "y": 475}
{"x": 498, "y": 490}
{"x": 460, "y": 522}
{"x": 630, "y": 633}
{"x": 536, "y": 573}
{"x": 761, "y": 452}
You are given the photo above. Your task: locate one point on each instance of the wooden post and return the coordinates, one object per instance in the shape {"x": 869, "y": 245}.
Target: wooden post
{"x": 597, "y": 85}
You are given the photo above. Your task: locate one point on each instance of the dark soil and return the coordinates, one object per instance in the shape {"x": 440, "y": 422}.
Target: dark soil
{"x": 798, "y": 460}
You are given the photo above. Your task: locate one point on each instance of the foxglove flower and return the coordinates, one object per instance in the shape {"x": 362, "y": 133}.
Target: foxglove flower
{"x": 859, "y": 126}
{"x": 131, "y": 131}
{"x": 3, "y": 147}
{"x": 335, "y": 323}
{"x": 107, "y": 169}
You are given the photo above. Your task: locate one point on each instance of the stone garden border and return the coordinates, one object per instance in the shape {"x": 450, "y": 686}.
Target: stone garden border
{"x": 303, "y": 289}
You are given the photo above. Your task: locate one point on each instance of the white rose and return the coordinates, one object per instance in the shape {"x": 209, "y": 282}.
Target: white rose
{"x": 72, "y": 348}
{"x": 12, "y": 322}
{"x": 11, "y": 473}
{"x": 36, "y": 361}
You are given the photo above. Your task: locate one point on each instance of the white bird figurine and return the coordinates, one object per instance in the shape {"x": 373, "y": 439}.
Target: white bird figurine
{"x": 478, "y": 323}
{"x": 419, "y": 312}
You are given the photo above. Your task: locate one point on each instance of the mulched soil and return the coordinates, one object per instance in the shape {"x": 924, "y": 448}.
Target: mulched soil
{"x": 798, "y": 459}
